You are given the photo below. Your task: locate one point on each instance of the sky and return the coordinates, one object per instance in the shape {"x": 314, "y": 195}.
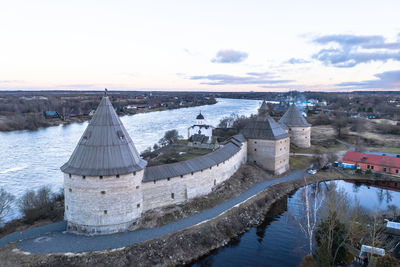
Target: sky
{"x": 207, "y": 45}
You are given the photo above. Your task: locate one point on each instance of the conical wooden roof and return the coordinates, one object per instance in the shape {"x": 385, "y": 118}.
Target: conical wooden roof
{"x": 264, "y": 127}
{"x": 293, "y": 118}
{"x": 105, "y": 147}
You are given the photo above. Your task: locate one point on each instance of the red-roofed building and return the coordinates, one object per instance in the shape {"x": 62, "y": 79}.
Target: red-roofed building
{"x": 375, "y": 163}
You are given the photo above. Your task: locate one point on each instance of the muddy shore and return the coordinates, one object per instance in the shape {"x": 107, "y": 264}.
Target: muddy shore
{"x": 179, "y": 248}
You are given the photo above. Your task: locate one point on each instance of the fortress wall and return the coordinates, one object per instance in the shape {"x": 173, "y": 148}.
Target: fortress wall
{"x": 272, "y": 155}
{"x": 88, "y": 209}
{"x": 301, "y": 136}
{"x": 189, "y": 186}
{"x": 262, "y": 153}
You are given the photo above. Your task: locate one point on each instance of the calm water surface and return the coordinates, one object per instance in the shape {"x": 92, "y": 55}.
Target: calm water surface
{"x": 278, "y": 241}
{"x": 31, "y": 159}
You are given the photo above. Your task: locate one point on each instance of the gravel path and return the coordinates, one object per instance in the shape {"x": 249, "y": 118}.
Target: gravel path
{"x": 68, "y": 242}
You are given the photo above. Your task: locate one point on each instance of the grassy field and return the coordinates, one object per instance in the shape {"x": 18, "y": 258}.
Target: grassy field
{"x": 394, "y": 150}
{"x": 176, "y": 153}
{"x": 321, "y": 147}
{"x": 300, "y": 162}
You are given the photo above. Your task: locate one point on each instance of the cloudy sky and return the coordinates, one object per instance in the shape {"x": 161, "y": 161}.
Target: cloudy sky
{"x": 207, "y": 45}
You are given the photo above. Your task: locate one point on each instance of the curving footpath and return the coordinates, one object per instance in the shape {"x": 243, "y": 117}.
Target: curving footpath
{"x": 62, "y": 242}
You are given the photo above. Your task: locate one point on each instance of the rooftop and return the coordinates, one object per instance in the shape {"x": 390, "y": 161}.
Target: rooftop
{"x": 105, "y": 147}
{"x": 231, "y": 147}
{"x": 372, "y": 159}
{"x": 264, "y": 127}
{"x": 293, "y": 118}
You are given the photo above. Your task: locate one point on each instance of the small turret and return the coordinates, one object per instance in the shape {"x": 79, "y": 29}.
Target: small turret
{"x": 200, "y": 119}
{"x": 263, "y": 110}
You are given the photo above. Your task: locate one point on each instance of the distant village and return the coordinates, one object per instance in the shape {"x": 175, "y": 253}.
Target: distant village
{"x": 31, "y": 110}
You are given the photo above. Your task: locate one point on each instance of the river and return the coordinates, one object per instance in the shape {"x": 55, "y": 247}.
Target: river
{"x": 31, "y": 159}
{"x": 278, "y": 241}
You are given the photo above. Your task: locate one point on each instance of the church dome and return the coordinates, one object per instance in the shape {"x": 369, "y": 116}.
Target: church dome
{"x": 200, "y": 117}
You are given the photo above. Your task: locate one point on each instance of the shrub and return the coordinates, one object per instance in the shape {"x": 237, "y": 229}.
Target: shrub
{"x": 359, "y": 171}
{"x": 387, "y": 261}
{"x": 40, "y": 205}
{"x": 368, "y": 172}
{"x": 6, "y": 200}
{"x": 308, "y": 261}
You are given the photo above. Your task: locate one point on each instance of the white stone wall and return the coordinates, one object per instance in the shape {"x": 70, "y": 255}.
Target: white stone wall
{"x": 102, "y": 205}
{"x": 282, "y": 150}
{"x": 300, "y": 136}
{"x": 159, "y": 193}
{"x": 272, "y": 155}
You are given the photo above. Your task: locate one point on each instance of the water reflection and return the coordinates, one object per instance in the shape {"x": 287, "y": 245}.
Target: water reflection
{"x": 278, "y": 241}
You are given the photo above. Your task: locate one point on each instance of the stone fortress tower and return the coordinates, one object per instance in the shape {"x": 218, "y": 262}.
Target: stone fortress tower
{"x": 108, "y": 187}
{"x": 299, "y": 128}
{"x": 268, "y": 143}
{"x": 102, "y": 178}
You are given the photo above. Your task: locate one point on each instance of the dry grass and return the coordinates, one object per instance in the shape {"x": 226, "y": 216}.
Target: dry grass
{"x": 300, "y": 162}
{"x": 322, "y": 132}
{"x": 394, "y": 150}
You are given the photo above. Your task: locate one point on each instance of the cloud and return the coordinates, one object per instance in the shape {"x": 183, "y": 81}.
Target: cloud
{"x": 346, "y": 51}
{"x": 11, "y": 81}
{"x": 386, "y": 80}
{"x": 251, "y": 78}
{"x": 297, "y": 61}
{"x": 229, "y": 56}
{"x": 82, "y": 86}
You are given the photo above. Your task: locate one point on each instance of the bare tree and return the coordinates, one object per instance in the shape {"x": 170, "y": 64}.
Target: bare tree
{"x": 342, "y": 224}
{"x": 6, "y": 199}
{"x": 340, "y": 123}
{"x": 170, "y": 137}
{"x": 307, "y": 217}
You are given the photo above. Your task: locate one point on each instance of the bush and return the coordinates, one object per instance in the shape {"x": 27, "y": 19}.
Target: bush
{"x": 170, "y": 137}
{"x": 40, "y": 205}
{"x": 387, "y": 261}
{"x": 308, "y": 261}
{"x": 6, "y": 200}
{"x": 359, "y": 171}
{"x": 368, "y": 172}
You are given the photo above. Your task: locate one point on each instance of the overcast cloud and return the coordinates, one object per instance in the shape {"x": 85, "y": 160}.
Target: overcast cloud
{"x": 346, "y": 51}
{"x": 386, "y": 80}
{"x": 229, "y": 56}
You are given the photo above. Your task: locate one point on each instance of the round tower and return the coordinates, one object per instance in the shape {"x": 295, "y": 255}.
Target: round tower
{"x": 102, "y": 178}
{"x": 299, "y": 128}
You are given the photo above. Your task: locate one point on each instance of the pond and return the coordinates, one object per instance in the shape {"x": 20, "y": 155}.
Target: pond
{"x": 278, "y": 241}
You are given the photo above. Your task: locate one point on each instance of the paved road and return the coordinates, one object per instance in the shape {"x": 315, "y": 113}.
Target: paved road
{"x": 68, "y": 242}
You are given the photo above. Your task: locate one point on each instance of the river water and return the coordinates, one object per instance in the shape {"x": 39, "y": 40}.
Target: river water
{"x": 31, "y": 159}
{"x": 278, "y": 241}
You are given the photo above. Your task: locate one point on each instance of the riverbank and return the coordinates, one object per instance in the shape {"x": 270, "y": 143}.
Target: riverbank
{"x": 37, "y": 121}
{"x": 41, "y": 109}
{"x": 177, "y": 248}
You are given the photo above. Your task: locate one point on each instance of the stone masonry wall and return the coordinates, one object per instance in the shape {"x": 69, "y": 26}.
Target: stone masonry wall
{"x": 179, "y": 189}
{"x": 272, "y": 155}
{"x": 95, "y": 204}
{"x": 300, "y": 136}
